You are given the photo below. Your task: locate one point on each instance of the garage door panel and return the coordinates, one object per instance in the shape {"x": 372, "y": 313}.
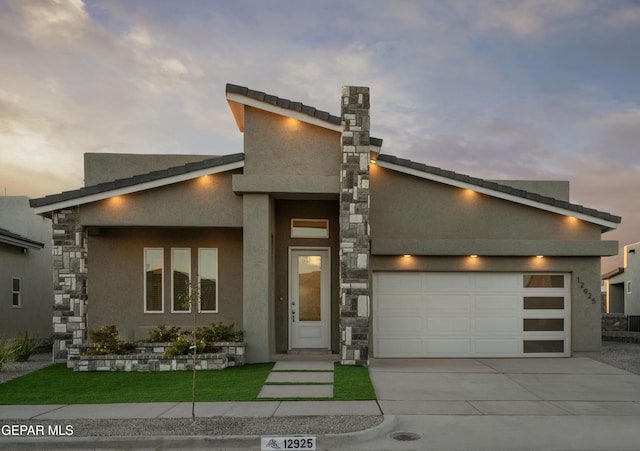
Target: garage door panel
{"x": 448, "y": 282}
{"x": 489, "y": 282}
{"x": 497, "y": 347}
{"x": 400, "y": 325}
{"x": 401, "y": 301}
{"x": 400, "y": 282}
{"x": 447, "y": 324}
{"x": 448, "y": 347}
{"x": 495, "y": 325}
{"x": 469, "y": 315}
{"x": 447, "y": 302}
{"x": 399, "y": 347}
{"x": 498, "y": 303}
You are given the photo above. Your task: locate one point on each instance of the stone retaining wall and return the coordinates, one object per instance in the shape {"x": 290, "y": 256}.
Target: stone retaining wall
{"x": 147, "y": 362}
{"x": 612, "y": 322}
{"x": 626, "y": 337}
{"x": 150, "y": 357}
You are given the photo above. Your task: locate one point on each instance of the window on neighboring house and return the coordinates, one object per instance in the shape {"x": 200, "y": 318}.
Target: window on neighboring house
{"x": 180, "y": 279}
{"x": 153, "y": 277}
{"x": 629, "y": 287}
{"x": 208, "y": 274}
{"x": 16, "y": 303}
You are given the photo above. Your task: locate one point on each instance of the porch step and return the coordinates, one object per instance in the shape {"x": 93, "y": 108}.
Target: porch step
{"x": 306, "y": 354}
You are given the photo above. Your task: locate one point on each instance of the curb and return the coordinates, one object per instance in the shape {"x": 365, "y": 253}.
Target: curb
{"x": 209, "y": 442}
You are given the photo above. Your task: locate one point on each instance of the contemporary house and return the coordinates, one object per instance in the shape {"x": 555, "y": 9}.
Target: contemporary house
{"x": 25, "y": 270}
{"x": 622, "y": 284}
{"x": 313, "y": 239}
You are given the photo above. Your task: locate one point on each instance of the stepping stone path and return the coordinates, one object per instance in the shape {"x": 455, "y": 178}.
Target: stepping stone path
{"x": 302, "y": 379}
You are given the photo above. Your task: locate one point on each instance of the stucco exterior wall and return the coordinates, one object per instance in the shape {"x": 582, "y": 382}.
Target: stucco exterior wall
{"x": 107, "y": 167}
{"x": 116, "y": 276}
{"x": 276, "y": 145}
{"x": 33, "y": 268}
{"x": 207, "y": 201}
{"x": 404, "y": 207}
{"x": 585, "y": 280}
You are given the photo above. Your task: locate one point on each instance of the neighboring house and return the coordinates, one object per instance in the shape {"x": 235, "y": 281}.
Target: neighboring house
{"x": 25, "y": 270}
{"x": 311, "y": 239}
{"x": 623, "y": 284}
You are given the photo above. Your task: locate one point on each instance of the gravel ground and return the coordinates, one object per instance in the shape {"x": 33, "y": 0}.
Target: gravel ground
{"x": 621, "y": 355}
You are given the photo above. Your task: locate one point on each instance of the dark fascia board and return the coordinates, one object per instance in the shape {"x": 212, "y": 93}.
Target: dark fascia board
{"x": 136, "y": 180}
{"x": 493, "y": 186}
{"x": 613, "y": 273}
{"x": 291, "y": 105}
{"x": 13, "y": 239}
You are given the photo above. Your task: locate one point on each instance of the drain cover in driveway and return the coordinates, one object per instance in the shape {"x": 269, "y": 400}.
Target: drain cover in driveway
{"x": 405, "y": 436}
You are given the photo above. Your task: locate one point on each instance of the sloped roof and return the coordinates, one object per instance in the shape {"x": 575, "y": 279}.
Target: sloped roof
{"x": 137, "y": 183}
{"x": 290, "y": 105}
{"x": 13, "y": 239}
{"x": 607, "y": 220}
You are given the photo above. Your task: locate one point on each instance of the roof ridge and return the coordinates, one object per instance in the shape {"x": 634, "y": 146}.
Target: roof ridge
{"x": 138, "y": 178}
{"x": 288, "y": 104}
{"x": 493, "y": 185}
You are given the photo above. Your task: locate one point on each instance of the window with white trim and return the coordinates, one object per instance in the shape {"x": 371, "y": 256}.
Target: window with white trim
{"x": 208, "y": 278}
{"x": 309, "y": 228}
{"x": 629, "y": 287}
{"x": 15, "y": 292}
{"x": 180, "y": 279}
{"x": 153, "y": 280}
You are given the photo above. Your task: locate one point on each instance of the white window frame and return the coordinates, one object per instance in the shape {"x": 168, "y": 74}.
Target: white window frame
{"x": 629, "y": 286}
{"x": 298, "y": 235}
{"x": 144, "y": 279}
{"x": 173, "y": 310}
{"x": 217, "y": 309}
{"x": 14, "y": 292}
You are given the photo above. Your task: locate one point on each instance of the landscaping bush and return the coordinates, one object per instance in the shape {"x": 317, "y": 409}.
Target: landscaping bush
{"x": 221, "y": 332}
{"x": 182, "y": 346}
{"x": 23, "y": 346}
{"x": 106, "y": 341}
{"x": 6, "y": 352}
{"x": 163, "y": 334}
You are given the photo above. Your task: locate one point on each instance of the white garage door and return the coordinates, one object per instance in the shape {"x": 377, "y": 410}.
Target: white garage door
{"x": 420, "y": 314}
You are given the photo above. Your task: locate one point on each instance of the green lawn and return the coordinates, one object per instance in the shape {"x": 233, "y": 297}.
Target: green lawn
{"x": 59, "y": 385}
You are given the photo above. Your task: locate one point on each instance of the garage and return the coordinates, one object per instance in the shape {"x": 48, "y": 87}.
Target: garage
{"x": 456, "y": 315}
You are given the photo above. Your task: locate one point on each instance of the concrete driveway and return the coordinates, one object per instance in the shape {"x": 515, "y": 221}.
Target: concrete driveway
{"x": 565, "y": 403}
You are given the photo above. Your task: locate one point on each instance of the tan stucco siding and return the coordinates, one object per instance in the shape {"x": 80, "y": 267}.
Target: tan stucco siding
{"x": 207, "y": 201}
{"x": 116, "y": 293}
{"x": 407, "y": 207}
{"x": 585, "y": 283}
{"x": 277, "y": 145}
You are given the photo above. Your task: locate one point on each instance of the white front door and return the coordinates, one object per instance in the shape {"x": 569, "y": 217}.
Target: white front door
{"x": 309, "y": 298}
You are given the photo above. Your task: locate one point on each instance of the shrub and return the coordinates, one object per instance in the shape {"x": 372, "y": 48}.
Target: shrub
{"x": 106, "y": 341}
{"x": 182, "y": 346}
{"x": 221, "y": 332}
{"x": 24, "y": 346}
{"x": 6, "y": 352}
{"x": 163, "y": 334}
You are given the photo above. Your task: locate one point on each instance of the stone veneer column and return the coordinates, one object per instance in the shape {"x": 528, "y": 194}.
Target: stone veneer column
{"x": 69, "y": 281}
{"x": 354, "y": 227}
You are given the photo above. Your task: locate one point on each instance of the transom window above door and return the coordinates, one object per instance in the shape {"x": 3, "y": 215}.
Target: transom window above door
{"x": 309, "y": 228}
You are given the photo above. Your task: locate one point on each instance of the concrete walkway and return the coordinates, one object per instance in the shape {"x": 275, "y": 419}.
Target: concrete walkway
{"x": 299, "y": 379}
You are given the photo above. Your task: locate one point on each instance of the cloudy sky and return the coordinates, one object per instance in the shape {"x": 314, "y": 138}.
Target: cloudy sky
{"x": 498, "y": 89}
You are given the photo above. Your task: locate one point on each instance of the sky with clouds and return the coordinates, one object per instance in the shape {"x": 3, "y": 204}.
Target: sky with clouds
{"x": 498, "y": 89}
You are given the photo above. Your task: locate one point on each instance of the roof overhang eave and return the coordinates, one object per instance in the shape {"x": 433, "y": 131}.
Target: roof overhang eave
{"x": 94, "y": 197}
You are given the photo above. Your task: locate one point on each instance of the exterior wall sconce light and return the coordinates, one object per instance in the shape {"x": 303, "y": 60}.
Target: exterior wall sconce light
{"x": 539, "y": 256}
{"x": 473, "y": 256}
{"x": 407, "y": 255}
